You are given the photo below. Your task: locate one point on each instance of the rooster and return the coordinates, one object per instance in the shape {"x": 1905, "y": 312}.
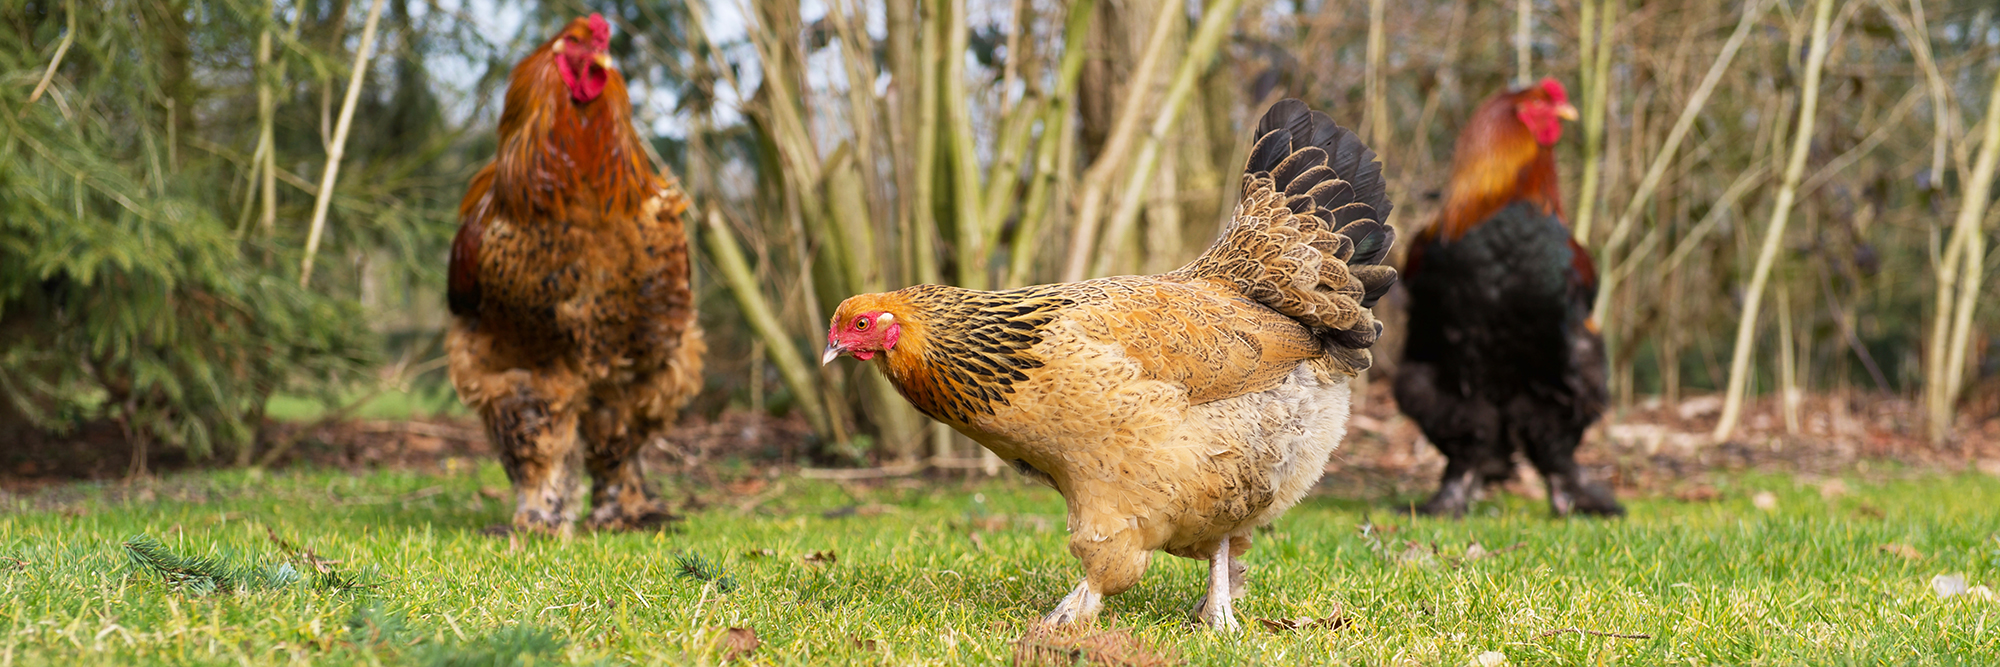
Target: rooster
{"x": 1503, "y": 355}
{"x": 1174, "y": 412}
{"x": 573, "y": 333}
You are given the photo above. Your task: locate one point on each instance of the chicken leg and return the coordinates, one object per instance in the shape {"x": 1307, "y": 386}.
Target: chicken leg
{"x": 1225, "y": 583}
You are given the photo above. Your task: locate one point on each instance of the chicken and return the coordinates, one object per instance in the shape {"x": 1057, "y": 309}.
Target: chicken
{"x": 1503, "y": 355}
{"x": 573, "y": 333}
{"x": 1174, "y": 412}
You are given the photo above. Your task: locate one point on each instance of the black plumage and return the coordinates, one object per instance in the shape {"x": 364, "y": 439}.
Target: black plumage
{"x": 1501, "y": 357}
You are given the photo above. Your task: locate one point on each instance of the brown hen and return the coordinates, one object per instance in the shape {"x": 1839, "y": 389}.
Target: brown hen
{"x": 574, "y": 332}
{"x": 1174, "y": 412}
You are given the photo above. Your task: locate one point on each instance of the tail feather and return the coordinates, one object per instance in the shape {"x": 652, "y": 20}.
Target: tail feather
{"x": 1308, "y": 238}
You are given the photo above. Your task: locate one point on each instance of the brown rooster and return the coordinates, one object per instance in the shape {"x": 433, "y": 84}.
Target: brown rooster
{"x": 1174, "y": 412}
{"x": 1502, "y": 355}
{"x": 574, "y": 333}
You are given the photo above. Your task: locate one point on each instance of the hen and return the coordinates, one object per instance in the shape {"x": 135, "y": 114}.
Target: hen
{"x": 1174, "y": 412}
{"x": 574, "y": 333}
{"x": 1503, "y": 355}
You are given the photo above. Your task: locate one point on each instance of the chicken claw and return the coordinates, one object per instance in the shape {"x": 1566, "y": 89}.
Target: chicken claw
{"x": 1082, "y": 604}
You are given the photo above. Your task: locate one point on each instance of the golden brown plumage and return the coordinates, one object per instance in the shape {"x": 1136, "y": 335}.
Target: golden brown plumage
{"x": 569, "y": 290}
{"x": 1174, "y": 412}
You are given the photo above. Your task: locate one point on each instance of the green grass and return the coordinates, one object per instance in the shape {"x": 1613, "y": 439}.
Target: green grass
{"x": 422, "y": 400}
{"x": 949, "y": 574}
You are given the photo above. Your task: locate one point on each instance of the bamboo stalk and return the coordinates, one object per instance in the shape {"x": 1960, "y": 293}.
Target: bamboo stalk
{"x": 1524, "y": 24}
{"x": 1795, "y": 167}
{"x": 1788, "y": 368}
{"x": 338, "y": 143}
{"x": 763, "y": 321}
{"x": 964, "y": 151}
{"x": 1373, "y": 83}
{"x": 1097, "y": 179}
{"x": 925, "y": 204}
{"x": 1058, "y": 130}
{"x": 1215, "y": 22}
{"x": 1950, "y": 365}
{"x": 1596, "y": 98}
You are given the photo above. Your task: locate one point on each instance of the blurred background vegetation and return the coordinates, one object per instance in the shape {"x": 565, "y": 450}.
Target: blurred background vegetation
{"x": 178, "y": 268}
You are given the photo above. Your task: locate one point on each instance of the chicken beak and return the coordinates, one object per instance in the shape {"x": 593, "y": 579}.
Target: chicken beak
{"x": 604, "y": 62}
{"x": 833, "y": 351}
{"x": 1566, "y": 111}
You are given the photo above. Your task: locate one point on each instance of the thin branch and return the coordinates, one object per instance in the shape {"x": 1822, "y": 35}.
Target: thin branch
{"x": 1215, "y": 22}
{"x": 1594, "y": 633}
{"x": 1795, "y": 167}
{"x": 339, "y": 142}
{"x": 763, "y": 320}
{"x": 62, "y": 49}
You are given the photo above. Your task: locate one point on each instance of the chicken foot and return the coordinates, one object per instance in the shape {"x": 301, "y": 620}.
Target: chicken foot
{"x": 1225, "y": 583}
{"x": 1082, "y": 604}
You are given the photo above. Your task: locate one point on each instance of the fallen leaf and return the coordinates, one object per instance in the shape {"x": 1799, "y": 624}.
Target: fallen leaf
{"x": 865, "y": 644}
{"x": 1490, "y": 659}
{"x": 1947, "y": 585}
{"x": 740, "y": 642}
{"x": 760, "y": 553}
{"x": 1078, "y": 644}
{"x": 1333, "y": 621}
{"x": 1903, "y": 550}
{"x": 1765, "y": 500}
{"x": 1832, "y": 488}
{"x": 1416, "y": 555}
{"x": 821, "y": 558}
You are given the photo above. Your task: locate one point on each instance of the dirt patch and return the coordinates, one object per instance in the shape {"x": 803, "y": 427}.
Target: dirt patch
{"x": 1656, "y": 448}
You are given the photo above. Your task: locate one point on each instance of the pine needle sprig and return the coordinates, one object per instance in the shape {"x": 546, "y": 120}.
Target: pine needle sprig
{"x": 693, "y": 566}
{"x": 204, "y": 575}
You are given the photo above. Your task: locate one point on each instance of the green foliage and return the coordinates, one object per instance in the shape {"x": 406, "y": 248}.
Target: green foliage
{"x": 134, "y": 284}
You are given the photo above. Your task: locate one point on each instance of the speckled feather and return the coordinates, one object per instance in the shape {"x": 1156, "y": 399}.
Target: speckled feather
{"x": 1178, "y": 410}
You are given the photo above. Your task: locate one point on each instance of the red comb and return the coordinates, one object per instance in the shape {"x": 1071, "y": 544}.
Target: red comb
{"x": 1554, "y": 88}
{"x": 600, "y": 32}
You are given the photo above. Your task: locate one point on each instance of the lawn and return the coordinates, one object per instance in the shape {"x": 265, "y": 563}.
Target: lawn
{"x": 949, "y": 573}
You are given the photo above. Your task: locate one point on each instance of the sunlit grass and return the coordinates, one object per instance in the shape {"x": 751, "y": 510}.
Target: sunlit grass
{"x": 946, "y": 573}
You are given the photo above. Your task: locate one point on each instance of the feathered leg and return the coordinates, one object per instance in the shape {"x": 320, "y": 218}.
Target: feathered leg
{"x": 1550, "y": 441}
{"x": 623, "y": 418}
{"x": 1463, "y": 428}
{"x": 1113, "y": 556}
{"x": 531, "y": 419}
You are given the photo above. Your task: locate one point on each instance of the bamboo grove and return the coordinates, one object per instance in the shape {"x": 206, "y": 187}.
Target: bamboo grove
{"x": 1784, "y": 196}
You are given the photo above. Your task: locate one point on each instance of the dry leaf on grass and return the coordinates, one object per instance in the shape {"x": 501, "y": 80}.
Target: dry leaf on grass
{"x": 1074, "y": 644}
{"x": 821, "y": 558}
{"x": 760, "y": 553}
{"x": 1903, "y": 550}
{"x": 492, "y": 492}
{"x": 1333, "y": 621}
{"x": 739, "y": 643}
{"x": 868, "y": 645}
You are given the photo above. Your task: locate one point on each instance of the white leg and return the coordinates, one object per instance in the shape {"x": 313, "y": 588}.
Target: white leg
{"x": 1215, "y": 610}
{"x": 1082, "y": 604}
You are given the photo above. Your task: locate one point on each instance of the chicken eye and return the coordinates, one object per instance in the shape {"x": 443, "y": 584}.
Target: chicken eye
{"x": 861, "y": 323}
